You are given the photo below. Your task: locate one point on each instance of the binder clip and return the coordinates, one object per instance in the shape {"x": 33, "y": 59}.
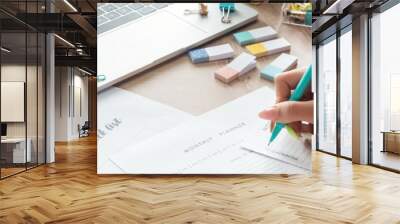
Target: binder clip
{"x": 228, "y": 8}
{"x": 101, "y": 78}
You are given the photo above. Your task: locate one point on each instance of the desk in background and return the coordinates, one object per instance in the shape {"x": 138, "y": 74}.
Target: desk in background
{"x": 391, "y": 141}
{"x": 13, "y": 151}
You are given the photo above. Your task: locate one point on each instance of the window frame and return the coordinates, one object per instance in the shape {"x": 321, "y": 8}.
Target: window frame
{"x": 27, "y": 29}
{"x": 333, "y": 37}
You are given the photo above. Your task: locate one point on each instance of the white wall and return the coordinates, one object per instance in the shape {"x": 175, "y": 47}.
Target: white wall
{"x": 12, "y": 73}
{"x": 70, "y": 83}
{"x": 34, "y": 126}
{"x": 13, "y": 101}
{"x": 80, "y": 110}
{"x": 61, "y": 103}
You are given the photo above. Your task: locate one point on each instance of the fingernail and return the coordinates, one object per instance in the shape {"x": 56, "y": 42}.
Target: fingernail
{"x": 292, "y": 132}
{"x": 269, "y": 113}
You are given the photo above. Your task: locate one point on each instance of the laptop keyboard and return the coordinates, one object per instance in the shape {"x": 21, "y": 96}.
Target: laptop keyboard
{"x": 111, "y": 15}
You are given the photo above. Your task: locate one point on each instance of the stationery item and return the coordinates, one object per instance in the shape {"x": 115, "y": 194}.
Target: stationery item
{"x": 296, "y": 96}
{"x": 291, "y": 132}
{"x": 269, "y": 47}
{"x": 226, "y": 7}
{"x": 158, "y": 37}
{"x": 281, "y": 64}
{"x": 288, "y": 150}
{"x": 198, "y": 147}
{"x": 203, "y": 10}
{"x": 238, "y": 67}
{"x": 256, "y": 35}
{"x": 125, "y": 118}
{"x": 299, "y": 14}
{"x": 209, "y": 144}
{"x": 101, "y": 78}
{"x": 213, "y": 53}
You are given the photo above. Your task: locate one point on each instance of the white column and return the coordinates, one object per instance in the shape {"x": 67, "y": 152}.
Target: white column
{"x": 50, "y": 99}
{"x": 50, "y": 92}
{"x": 313, "y": 90}
{"x": 360, "y": 90}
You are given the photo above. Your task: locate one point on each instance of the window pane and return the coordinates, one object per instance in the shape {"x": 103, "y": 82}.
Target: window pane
{"x": 346, "y": 94}
{"x": 14, "y": 153}
{"x": 32, "y": 89}
{"x": 31, "y": 98}
{"x": 41, "y": 98}
{"x": 385, "y": 115}
{"x": 327, "y": 97}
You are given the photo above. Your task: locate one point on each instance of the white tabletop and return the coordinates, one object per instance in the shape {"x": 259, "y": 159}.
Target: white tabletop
{"x": 13, "y": 140}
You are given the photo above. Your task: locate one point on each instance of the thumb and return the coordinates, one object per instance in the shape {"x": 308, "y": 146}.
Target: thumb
{"x": 289, "y": 111}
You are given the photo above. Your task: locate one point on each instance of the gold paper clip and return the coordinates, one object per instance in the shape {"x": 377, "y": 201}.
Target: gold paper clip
{"x": 203, "y": 10}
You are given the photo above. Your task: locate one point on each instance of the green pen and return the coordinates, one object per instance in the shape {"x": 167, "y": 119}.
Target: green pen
{"x": 296, "y": 96}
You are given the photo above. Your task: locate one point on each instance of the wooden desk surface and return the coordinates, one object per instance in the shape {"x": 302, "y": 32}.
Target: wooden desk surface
{"x": 70, "y": 191}
{"x": 192, "y": 87}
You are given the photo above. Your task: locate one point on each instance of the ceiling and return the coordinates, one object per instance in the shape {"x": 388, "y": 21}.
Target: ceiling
{"x": 74, "y": 22}
{"x": 332, "y": 15}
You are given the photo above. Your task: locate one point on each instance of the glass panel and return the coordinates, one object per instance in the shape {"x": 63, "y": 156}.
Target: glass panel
{"x": 385, "y": 84}
{"x": 23, "y": 90}
{"x": 346, "y": 94}
{"x": 31, "y": 100}
{"x": 32, "y": 90}
{"x": 327, "y": 97}
{"x": 41, "y": 99}
{"x": 13, "y": 87}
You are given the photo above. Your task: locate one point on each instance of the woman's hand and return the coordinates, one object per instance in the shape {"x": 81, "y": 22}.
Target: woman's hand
{"x": 291, "y": 112}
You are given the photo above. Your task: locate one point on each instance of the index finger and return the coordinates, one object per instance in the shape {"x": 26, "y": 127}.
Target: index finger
{"x": 287, "y": 81}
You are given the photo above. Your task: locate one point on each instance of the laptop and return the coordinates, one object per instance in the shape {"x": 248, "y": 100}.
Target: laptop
{"x": 133, "y": 37}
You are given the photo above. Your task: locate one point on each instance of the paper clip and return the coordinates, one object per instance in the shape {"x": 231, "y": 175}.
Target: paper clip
{"x": 203, "y": 10}
{"x": 190, "y": 11}
{"x": 229, "y": 7}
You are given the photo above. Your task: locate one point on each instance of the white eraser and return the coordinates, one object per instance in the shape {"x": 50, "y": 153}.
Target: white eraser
{"x": 281, "y": 64}
{"x": 264, "y": 33}
{"x": 285, "y": 61}
{"x": 277, "y": 45}
{"x": 241, "y": 61}
{"x": 269, "y": 47}
{"x": 239, "y": 66}
{"x": 220, "y": 52}
{"x": 255, "y": 35}
{"x": 213, "y": 53}
{"x": 252, "y": 65}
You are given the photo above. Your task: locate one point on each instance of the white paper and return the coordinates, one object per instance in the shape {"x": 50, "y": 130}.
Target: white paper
{"x": 208, "y": 144}
{"x": 125, "y": 118}
{"x": 198, "y": 147}
{"x": 284, "y": 148}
